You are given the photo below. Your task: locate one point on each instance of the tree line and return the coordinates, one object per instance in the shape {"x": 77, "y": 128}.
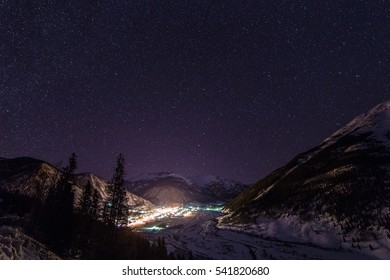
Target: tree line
{"x": 89, "y": 228}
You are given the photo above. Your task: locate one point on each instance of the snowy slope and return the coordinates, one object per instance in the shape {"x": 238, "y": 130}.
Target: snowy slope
{"x": 376, "y": 122}
{"x": 15, "y": 245}
{"x": 27, "y": 176}
{"x": 101, "y": 185}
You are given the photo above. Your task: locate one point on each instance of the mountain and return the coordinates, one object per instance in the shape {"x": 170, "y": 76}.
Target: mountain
{"x": 33, "y": 177}
{"x": 345, "y": 181}
{"x": 221, "y": 188}
{"x": 169, "y": 188}
{"x": 26, "y": 176}
{"x": 101, "y": 185}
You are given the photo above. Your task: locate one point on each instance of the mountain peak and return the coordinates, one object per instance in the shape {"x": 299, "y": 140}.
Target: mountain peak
{"x": 376, "y": 121}
{"x": 384, "y": 105}
{"x": 379, "y": 114}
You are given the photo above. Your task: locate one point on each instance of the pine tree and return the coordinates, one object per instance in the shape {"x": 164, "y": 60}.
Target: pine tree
{"x": 117, "y": 204}
{"x": 95, "y": 205}
{"x": 106, "y": 212}
{"x": 85, "y": 202}
{"x": 58, "y": 208}
{"x": 161, "y": 249}
{"x": 88, "y": 222}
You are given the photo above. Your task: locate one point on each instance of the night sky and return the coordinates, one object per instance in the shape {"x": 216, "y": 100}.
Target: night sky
{"x": 231, "y": 88}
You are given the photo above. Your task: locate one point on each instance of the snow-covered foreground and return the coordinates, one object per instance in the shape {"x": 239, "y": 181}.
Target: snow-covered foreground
{"x": 206, "y": 239}
{"x": 15, "y": 245}
{"x": 374, "y": 243}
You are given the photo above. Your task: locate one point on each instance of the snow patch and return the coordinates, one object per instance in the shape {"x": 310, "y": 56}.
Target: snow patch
{"x": 291, "y": 229}
{"x": 15, "y": 245}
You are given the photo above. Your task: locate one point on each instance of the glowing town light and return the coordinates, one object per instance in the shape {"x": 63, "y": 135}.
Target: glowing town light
{"x": 143, "y": 217}
{"x": 187, "y": 214}
{"x": 153, "y": 228}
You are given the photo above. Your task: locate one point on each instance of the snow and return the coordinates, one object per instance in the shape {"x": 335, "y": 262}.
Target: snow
{"x": 26, "y": 178}
{"x": 380, "y": 244}
{"x": 15, "y": 245}
{"x": 292, "y": 229}
{"x": 374, "y": 243}
{"x": 207, "y": 238}
{"x": 101, "y": 185}
{"x": 97, "y": 182}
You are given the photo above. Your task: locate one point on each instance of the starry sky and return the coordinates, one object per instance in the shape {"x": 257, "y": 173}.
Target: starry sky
{"x": 230, "y": 88}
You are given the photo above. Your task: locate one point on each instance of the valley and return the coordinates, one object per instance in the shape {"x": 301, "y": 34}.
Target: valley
{"x": 201, "y": 234}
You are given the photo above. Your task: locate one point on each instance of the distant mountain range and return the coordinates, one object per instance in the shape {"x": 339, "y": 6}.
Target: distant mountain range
{"x": 33, "y": 177}
{"x": 166, "y": 188}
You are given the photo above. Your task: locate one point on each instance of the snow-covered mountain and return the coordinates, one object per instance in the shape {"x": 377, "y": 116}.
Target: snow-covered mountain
{"x": 101, "y": 185}
{"x": 33, "y": 177}
{"x": 166, "y": 188}
{"x": 27, "y": 176}
{"x": 220, "y": 188}
{"x": 345, "y": 182}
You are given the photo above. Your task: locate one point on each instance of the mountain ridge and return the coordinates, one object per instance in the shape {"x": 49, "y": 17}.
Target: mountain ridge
{"x": 343, "y": 183}
{"x": 33, "y": 177}
{"x": 165, "y": 188}
{"x": 352, "y": 148}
